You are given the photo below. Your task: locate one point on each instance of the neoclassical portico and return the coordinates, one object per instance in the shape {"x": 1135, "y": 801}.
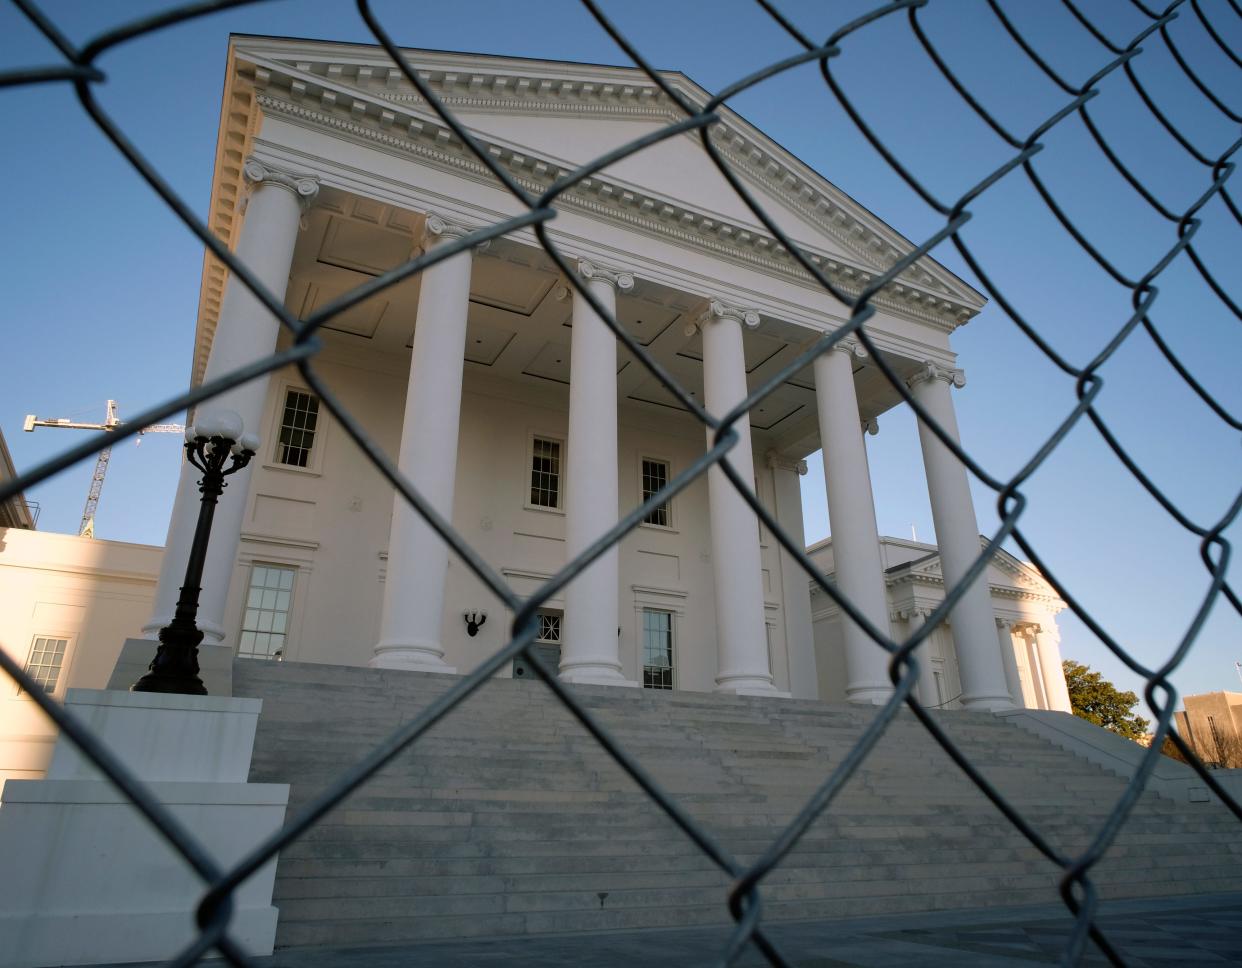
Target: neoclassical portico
{"x": 507, "y": 403}
{"x": 413, "y": 608}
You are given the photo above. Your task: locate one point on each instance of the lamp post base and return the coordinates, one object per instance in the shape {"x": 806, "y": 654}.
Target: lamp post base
{"x": 175, "y": 666}
{"x": 177, "y": 684}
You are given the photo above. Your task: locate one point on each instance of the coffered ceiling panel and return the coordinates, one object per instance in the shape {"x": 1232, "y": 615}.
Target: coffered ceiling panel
{"x": 504, "y": 285}
{"x": 645, "y": 320}
{"x": 757, "y": 348}
{"x": 331, "y": 283}
{"x": 777, "y": 406}
{"x": 550, "y": 363}
{"x": 685, "y": 371}
{"x": 485, "y": 342}
{"x": 365, "y": 248}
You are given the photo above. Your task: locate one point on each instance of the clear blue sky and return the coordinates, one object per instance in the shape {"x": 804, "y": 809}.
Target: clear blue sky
{"x": 101, "y": 283}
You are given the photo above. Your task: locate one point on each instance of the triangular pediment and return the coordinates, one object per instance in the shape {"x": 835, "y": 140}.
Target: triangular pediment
{"x": 545, "y": 118}
{"x": 540, "y": 120}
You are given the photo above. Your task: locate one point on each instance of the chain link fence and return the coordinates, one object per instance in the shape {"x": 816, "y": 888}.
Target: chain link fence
{"x": 77, "y": 67}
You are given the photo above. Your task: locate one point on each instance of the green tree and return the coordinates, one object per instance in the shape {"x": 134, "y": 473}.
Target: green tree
{"x": 1098, "y": 701}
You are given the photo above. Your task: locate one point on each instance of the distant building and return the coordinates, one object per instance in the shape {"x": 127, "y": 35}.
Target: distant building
{"x": 1212, "y": 724}
{"x": 67, "y": 604}
{"x": 1024, "y": 608}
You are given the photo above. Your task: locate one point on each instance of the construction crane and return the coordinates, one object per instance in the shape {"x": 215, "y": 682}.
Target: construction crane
{"x": 111, "y": 422}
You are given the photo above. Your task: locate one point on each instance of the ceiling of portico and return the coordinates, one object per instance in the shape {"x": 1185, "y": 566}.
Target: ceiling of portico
{"x": 539, "y": 119}
{"x": 519, "y": 325}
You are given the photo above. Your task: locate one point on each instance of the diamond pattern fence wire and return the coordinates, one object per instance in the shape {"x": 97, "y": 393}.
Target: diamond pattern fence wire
{"x": 744, "y": 899}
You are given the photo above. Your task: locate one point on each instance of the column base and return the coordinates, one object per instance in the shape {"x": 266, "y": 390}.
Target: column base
{"x": 595, "y": 675}
{"x": 749, "y": 686}
{"x": 411, "y": 657}
{"x": 990, "y": 704}
{"x": 869, "y": 695}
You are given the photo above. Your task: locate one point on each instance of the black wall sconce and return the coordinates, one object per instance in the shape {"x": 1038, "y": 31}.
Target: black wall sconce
{"x": 474, "y": 622}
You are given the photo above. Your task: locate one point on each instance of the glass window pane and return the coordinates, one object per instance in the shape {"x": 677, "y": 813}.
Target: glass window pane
{"x": 297, "y": 428}
{"x": 266, "y": 617}
{"x": 44, "y": 662}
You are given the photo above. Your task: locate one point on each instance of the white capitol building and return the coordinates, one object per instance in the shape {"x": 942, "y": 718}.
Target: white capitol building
{"x": 524, "y": 422}
{"x": 508, "y": 403}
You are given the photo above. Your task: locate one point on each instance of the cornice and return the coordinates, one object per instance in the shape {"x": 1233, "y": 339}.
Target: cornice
{"x": 239, "y": 120}
{"x": 375, "y": 114}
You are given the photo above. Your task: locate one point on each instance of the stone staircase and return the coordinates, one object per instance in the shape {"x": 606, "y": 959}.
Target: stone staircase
{"x": 508, "y": 818}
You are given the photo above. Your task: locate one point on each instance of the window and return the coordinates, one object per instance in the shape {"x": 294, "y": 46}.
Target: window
{"x": 655, "y": 477}
{"x": 657, "y": 649}
{"x": 297, "y": 428}
{"x": 267, "y": 613}
{"x": 47, "y": 655}
{"x": 545, "y": 473}
{"x": 549, "y": 627}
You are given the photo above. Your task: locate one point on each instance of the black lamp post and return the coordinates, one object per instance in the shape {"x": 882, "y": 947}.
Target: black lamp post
{"x": 213, "y": 442}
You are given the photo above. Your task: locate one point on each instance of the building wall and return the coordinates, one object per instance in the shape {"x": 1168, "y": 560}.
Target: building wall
{"x": 331, "y": 521}
{"x": 913, "y": 581}
{"x": 94, "y": 594}
{"x": 1212, "y": 724}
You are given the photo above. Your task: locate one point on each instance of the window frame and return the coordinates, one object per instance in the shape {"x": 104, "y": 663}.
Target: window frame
{"x": 314, "y": 463}
{"x": 671, "y": 526}
{"x": 550, "y": 613}
{"x": 62, "y": 674}
{"x": 528, "y": 471}
{"x": 294, "y": 571}
{"x": 673, "y": 666}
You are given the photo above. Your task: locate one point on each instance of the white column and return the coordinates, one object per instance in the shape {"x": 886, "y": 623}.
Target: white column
{"x": 413, "y": 608}
{"x": 1036, "y": 669}
{"x": 927, "y": 692}
{"x": 796, "y": 602}
{"x": 245, "y": 332}
{"x": 1004, "y": 635}
{"x": 590, "y": 646}
{"x": 957, "y": 535}
{"x": 851, "y": 516}
{"x": 1046, "y": 641}
{"x": 741, "y": 636}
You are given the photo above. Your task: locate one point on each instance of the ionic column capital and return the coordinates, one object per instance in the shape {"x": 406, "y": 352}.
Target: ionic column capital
{"x": 305, "y": 187}
{"x": 618, "y": 279}
{"x": 851, "y": 348}
{"x": 781, "y": 462}
{"x": 440, "y": 228}
{"x": 931, "y": 370}
{"x": 717, "y": 309}
{"x": 871, "y": 426}
{"x": 1005, "y": 624}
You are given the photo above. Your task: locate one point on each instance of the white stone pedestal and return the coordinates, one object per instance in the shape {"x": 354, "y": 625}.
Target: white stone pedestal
{"x": 88, "y": 881}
